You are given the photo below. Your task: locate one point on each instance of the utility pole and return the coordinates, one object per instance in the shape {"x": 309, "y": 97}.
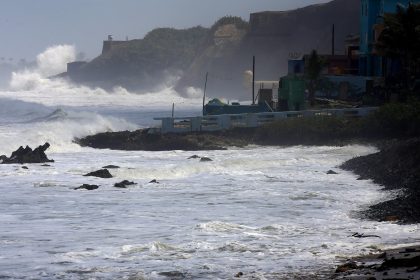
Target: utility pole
{"x": 253, "y": 80}
{"x": 205, "y": 88}
{"x": 333, "y": 41}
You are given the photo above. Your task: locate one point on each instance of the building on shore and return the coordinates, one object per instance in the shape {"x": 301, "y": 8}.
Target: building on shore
{"x": 371, "y": 25}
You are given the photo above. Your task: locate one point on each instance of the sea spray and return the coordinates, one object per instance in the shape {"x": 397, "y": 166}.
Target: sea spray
{"x": 35, "y": 85}
{"x": 51, "y": 62}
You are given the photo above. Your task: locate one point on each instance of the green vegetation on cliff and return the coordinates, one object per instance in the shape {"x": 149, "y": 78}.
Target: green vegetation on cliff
{"x": 165, "y": 48}
{"x": 146, "y": 60}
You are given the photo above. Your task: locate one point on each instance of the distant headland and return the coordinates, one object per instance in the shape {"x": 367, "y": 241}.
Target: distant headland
{"x": 224, "y": 50}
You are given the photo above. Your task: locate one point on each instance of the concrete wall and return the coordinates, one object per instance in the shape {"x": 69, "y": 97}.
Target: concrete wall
{"x": 109, "y": 45}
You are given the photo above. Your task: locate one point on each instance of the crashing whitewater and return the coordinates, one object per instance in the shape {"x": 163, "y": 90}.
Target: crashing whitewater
{"x": 267, "y": 212}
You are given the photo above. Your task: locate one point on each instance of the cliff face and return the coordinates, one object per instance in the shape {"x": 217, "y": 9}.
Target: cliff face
{"x": 271, "y": 37}
{"x": 225, "y": 50}
{"x": 146, "y": 63}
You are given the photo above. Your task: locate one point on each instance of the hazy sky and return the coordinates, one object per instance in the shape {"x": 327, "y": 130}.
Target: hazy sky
{"x": 27, "y": 27}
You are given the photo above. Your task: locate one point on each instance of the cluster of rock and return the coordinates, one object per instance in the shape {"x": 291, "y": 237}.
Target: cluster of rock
{"x": 105, "y": 174}
{"x": 401, "y": 263}
{"x": 27, "y": 155}
{"x": 396, "y": 167}
{"x": 202, "y": 159}
{"x": 143, "y": 140}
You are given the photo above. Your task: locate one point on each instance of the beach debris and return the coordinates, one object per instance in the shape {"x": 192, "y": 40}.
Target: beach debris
{"x": 111, "y": 167}
{"x": 204, "y": 159}
{"x": 87, "y": 187}
{"x": 102, "y": 173}
{"x": 331, "y": 172}
{"x": 27, "y": 155}
{"x": 362, "y": 235}
{"x": 124, "y": 184}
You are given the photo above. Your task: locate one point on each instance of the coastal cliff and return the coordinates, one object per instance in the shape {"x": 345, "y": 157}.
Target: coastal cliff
{"x": 166, "y": 55}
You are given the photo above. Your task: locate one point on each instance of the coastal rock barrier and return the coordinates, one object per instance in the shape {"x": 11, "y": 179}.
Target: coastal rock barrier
{"x": 395, "y": 167}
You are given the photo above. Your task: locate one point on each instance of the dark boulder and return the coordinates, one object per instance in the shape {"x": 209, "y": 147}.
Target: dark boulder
{"x": 87, "y": 187}
{"x": 102, "y": 173}
{"x": 194, "y": 157}
{"x": 3, "y": 158}
{"x": 27, "y": 155}
{"x": 204, "y": 159}
{"x": 111, "y": 167}
{"x": 25, "y": 167}
{"x": 124, "y": 184}
{"x": 331, "y": 172}
{"x": 154, "y": 181}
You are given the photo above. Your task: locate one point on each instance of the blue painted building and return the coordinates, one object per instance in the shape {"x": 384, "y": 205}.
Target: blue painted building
{"x": 371, "y": 25}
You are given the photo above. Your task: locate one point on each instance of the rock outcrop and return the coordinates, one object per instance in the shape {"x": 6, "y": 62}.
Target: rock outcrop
{"x": 143, "y": 140}
{"x": 111, "y": 167}
{"x": 102, "y": 173}
{"x": 27, "y": 155}
{"x": 124, "y": 184}
{"x": 400, "y": 263}
{"x": 87, "y": 187}
{"x": 396, "y": 167}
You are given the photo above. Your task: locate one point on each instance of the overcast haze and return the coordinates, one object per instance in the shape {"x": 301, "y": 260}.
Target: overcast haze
{"x": 27, "y": 27}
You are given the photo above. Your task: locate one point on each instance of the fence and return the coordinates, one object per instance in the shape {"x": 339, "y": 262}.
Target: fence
{"x": 224, "y": 122}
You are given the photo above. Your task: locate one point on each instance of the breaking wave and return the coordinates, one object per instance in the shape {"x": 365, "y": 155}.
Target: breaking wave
{"x": 24, "y": 123}
{"x": 35, "y": 85}
{"x": 37, "y": 108}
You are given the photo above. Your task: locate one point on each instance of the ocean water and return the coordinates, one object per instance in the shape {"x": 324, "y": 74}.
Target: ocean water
{"x": 268, "y": 212}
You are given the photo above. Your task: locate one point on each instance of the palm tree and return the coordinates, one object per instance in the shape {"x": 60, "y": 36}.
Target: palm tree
{"x": 313, "y": 72}
{"x": 400, "y": 39}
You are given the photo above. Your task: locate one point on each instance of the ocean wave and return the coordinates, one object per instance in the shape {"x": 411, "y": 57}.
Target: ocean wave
{"x": 218, "y": 226}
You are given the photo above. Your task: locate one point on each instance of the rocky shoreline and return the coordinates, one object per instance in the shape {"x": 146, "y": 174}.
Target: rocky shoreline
{"x": 396, "y": 166}
{"x": 396, "y": 263}
{"x": 143, "y": 140}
